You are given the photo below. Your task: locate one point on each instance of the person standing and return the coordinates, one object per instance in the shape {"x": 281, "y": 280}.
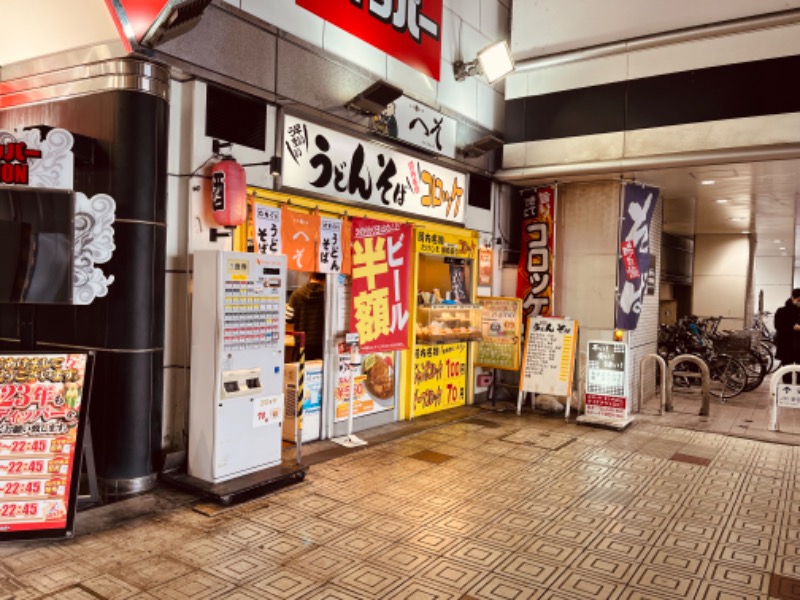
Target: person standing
{"x": 308, "y": 305}
{"x": 787, "y": 330}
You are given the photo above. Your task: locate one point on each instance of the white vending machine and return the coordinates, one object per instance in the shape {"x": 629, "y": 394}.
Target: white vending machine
{"x": 236, "y": 405}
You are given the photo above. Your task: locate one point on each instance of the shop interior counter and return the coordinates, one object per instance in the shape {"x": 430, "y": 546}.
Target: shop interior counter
{"x": 438, "y": 323}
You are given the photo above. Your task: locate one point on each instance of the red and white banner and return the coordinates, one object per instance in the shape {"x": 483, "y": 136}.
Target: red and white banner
{"x": 535, "y": 272}
{"x": 409, "y": 30}
{"x": 381, "y": 282}
{"x": 42, "y": 415}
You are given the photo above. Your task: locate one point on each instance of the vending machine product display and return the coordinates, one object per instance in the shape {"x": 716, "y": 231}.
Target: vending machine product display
{"x": 237, "y": 402}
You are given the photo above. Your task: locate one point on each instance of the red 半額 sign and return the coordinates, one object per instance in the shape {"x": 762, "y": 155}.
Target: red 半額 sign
{"x": 381, "y": 262}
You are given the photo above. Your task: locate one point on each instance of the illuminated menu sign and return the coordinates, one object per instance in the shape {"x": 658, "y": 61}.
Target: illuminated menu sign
{"x": 43, "y": 404}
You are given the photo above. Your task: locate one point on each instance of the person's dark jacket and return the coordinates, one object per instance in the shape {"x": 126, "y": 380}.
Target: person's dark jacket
{"x": 787, "y": 339}
{"x": 308, "y": 303}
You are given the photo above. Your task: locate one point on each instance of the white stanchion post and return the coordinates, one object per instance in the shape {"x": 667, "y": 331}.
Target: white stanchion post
{"x": 350, "y": 440}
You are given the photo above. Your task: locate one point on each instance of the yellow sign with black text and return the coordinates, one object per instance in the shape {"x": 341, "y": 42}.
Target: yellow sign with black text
{"x": 440, "y": 377}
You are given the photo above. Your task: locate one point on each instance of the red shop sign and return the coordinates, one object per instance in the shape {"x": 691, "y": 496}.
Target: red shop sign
{"x": 409, "y": 30}
{"x": 381, "y": 259}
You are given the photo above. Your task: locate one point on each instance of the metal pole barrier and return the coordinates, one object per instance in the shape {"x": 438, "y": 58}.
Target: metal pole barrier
{"x": 705, "y": 408}
{"x": 300, "y": 341}
{"x": 774, "y": 382}
{"x": 661, "y": 363}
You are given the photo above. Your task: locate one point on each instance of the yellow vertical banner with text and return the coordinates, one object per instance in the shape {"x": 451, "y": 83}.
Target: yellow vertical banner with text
{"x": 439, "y": 380}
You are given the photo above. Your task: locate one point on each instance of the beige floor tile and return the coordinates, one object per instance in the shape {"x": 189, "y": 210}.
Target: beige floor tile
{"x": 60, "y": 575}
{"x": 734, "y": 575}
{"x": 629, "y": 549}
{"x": 552, "y": 550}
{"x": 31, "y": 559}
{"x": 529, "y": 569}
{"x": 496, "y": 587}
{"x": 202, "y": 551}
{"x": 746, "y": 556}
{"x": 241, "y": 567}
{"x": 677, "y": 561}
{"x": 391, "y": 529}
{"x": 714, "y": 591}
{"x": 361, "y": 544}
{"x": 110, "y": 587}
{"x": 688, "y": 543}
{"x": 403, "y": 559}
{"x": 153, "y": 572}
{"x": 608, "y": 567}
{"x": 316, "y": 531}
{"x": 577, "y": 584}
{"x": 283, "y": 584}
{"x": 416, "y": 589}
{"x": 477, "y": 554}
{"x": 369, "y": 581}
{"x": 197, "y": 585}
{"x": 501, "y": 537}
{"x": 663, "y": 583}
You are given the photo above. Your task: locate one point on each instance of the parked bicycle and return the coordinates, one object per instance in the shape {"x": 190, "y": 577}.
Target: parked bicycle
{"x": 690, "y": 335}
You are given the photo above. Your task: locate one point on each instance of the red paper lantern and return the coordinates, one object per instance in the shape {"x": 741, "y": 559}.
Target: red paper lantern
{"x": 229, "y": 193}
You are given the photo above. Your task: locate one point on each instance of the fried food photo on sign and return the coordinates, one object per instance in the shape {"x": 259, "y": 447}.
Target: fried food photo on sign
{"x": 379, "y": 370}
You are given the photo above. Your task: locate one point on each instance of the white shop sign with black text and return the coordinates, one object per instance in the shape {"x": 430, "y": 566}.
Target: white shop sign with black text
{"x": 323, "y": 161}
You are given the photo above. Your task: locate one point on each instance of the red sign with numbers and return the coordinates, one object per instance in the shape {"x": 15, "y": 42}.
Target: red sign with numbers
{"x": 42, "y": 415}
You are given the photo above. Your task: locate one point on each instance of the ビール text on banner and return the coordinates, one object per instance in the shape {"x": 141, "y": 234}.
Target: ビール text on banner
{"x": 381, "y": 261}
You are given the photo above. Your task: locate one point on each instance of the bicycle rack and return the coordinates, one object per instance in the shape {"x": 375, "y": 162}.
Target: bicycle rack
{"x": 705, "y": 407}
{"x": 774, "y": 382}
{"x": 661, "y": 363}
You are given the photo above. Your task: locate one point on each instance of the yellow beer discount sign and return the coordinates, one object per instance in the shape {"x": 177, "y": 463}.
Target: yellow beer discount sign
{"x": 440, "y": 377}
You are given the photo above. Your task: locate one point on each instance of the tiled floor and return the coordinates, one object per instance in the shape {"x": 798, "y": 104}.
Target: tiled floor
{"x": 494, "y": 506}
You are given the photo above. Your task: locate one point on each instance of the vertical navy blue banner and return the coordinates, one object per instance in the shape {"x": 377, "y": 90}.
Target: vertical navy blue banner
{"x": 638, "y": 203}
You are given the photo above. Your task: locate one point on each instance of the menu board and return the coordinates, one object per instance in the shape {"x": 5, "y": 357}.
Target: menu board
{"x": 501, "y": 321}
{"x": 606, "y": 380}
{"x": 374, "y": 389}
{"x": 43, "y": 406}
{"x": 549, "y": 357}
{"x": 440, "y": 377}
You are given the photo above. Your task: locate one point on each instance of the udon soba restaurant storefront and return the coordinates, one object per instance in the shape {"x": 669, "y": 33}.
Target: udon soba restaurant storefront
{"x": 386, "y": 229}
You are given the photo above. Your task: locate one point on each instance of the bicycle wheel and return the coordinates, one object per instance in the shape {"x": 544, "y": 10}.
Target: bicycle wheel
{"x": 769, "y": 349}
{"x": 728, "y": 376}
{"x": 756, "y": 366}
{"x": 686, "y": 376}
{"x": 766, "y": 355}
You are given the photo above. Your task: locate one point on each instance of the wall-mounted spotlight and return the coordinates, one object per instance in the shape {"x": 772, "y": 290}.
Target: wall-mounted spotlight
{"x": 276, "y": 166}
{"x": 494, "y": 61}
{"x": 375, "y": 98}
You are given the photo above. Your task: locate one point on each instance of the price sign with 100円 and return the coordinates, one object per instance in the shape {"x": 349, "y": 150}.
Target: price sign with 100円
{"x": 43, "y": 408}
{"x": 439, "y": 377}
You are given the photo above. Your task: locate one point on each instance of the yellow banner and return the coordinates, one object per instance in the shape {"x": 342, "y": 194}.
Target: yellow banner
{"x": 440, "y": 377}
{"x": 445, "y": 244}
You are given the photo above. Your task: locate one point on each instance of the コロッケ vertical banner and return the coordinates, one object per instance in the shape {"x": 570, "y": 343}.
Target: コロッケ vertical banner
{"x": 381, "y": 261}
{"x": 535, "y": 272}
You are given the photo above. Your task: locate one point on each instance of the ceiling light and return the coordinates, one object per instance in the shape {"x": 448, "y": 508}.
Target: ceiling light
{"x": 722, "y": 201}
{"x": 736, "y": 219}
{"x": 782, "y": 248}
{"x": 746, "y": 232}
{"x": 494, "y": 61}
{"x": 707, "y": 182}
{"x": 777, "y": 241}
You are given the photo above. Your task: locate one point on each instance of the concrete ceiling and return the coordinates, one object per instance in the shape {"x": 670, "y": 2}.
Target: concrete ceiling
{"x": 759, "y": 198}
{"x": 32, "y": 29}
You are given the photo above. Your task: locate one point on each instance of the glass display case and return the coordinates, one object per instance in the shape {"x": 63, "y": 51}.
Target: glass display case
{"x": 448, "y": 322}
